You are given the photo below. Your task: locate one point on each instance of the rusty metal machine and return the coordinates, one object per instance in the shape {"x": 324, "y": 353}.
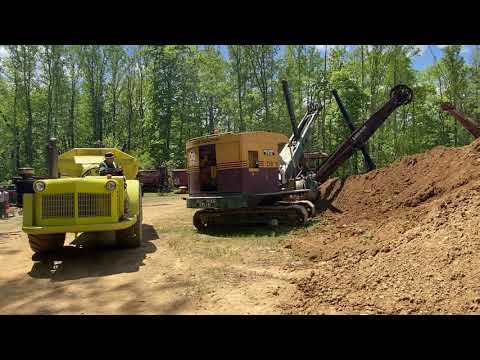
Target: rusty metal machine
{"x": 258, "y": 177}
{"x": 472, "y": 126}
{"x": 180, "y": 180}
{"x": 153, "y": 180}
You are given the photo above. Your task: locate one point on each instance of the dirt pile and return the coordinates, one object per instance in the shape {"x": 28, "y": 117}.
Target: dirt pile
{"x": 403, "y": 239}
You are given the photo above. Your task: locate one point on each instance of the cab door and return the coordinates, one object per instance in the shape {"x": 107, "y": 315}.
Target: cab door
{"x": 208, "y": 168}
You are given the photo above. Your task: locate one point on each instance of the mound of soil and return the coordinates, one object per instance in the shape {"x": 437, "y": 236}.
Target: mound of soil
{"x": 402, "y": 239}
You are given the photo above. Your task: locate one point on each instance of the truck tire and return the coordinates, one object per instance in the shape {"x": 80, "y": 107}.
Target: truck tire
{"x": 46, "y": 242}
{"x": 132, "y": 237}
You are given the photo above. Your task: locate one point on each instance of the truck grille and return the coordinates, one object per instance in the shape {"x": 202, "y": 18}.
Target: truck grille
{"x": 58, "y": 206}
{"x": 94, "y": 204}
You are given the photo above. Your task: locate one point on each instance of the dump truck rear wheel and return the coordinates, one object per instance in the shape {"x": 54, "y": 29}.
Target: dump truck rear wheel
{"x": 132, "y": 237}
{"x": 46, "y": 242}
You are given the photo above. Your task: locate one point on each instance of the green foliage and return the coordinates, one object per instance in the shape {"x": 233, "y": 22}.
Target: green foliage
{"x": 144, "y": 159}
{"x": 151, "y": 99}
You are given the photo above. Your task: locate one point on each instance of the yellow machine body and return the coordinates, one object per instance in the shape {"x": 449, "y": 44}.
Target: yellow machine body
{"x": 238, "y": 163}
{"x": 77, "y": 204}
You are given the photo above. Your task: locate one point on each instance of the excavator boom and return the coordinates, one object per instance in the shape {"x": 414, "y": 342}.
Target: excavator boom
{"x": 369, "y": 164}
{"x": 469, "y": 124}
{"x": 399, "y": 95}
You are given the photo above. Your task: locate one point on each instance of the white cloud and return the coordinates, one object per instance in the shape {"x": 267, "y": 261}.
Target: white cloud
{"x": 421, "y": 49}
{"x": 3, "y": 51}
{"x": 465, "y": 49}
{"x": 320, "y": 47}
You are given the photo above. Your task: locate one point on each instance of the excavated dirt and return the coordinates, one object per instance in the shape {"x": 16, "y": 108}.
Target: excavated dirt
{"x": 403, "y": 239}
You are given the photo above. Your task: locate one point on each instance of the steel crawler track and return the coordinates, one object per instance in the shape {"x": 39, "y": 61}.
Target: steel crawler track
{"x": 292, "y": 215}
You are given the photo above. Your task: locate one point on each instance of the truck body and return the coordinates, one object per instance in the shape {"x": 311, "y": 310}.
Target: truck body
{"x": 79, "y": 200}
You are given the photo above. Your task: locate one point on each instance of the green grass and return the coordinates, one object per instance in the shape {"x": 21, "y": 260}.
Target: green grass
{"x": 225, "y": 245}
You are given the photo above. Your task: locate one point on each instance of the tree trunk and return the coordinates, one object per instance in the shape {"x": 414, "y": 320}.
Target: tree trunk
{"x": 141, "y": 110}
{"x": 27, "y": 81}
{"x": 395, "y": 119}
{"x": 16, "y": 140}
{"x": 237, "y": 53}
{"x": 211, "y": 120}
{"x": 71, "y": 123}
{"x": 324, "y": 101}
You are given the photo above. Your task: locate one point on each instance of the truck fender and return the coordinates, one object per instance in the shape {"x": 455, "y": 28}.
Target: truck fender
{"x": 133, "y": 191}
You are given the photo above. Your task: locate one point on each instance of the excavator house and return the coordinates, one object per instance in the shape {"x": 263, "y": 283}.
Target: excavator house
{"x": 261, "y": 178}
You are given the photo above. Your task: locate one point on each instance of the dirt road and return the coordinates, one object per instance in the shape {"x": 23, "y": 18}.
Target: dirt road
{"x": 175, "y": 271}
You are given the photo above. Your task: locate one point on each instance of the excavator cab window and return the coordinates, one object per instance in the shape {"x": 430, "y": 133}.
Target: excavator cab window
{"x": 208, "y": 168}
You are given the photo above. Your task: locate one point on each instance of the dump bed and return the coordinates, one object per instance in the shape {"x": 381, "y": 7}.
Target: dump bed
{"x": 75, "y": 162}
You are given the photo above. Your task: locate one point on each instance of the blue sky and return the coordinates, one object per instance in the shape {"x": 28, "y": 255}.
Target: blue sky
{"x": 425, "y": 58}
{"x": 420, "y": 61}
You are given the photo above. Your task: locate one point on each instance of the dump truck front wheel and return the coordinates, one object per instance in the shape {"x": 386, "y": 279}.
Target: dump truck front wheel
{"x": 46, "y": 242}
{"x": 132, "y": 237}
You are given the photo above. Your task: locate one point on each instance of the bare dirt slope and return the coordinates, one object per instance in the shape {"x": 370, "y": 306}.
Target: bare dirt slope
{"x": 175, "y": 271}
{"x": 403, "y": 239}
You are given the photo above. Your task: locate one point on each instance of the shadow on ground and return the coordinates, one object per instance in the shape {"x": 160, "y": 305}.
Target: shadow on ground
{"x": 249, "y": 231}
{"x": 90, "y": 257}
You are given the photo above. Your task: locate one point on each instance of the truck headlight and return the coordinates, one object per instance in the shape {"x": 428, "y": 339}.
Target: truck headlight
{"x": 111, "y": 185}
{"x": 39, "y": 186}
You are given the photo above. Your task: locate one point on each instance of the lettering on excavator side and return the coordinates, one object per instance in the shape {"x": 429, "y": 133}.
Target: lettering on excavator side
{"x": 207, "y": 203}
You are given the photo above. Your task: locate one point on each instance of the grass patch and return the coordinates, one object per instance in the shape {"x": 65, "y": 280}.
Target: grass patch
{"x": 185, "y": 240}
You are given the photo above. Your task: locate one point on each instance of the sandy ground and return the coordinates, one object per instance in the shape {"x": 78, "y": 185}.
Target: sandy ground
{"x": 175, "y": 271}
{"x": 403, "y": 239}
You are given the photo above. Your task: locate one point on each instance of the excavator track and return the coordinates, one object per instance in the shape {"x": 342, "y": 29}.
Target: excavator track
{"x": 308, "y": 205}
{"x": 292, "y": 215}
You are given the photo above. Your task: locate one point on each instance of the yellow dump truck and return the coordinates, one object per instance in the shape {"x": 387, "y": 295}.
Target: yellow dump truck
{"x": 75, "y": 199}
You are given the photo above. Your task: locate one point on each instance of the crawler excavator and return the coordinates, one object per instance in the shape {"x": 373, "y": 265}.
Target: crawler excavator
{"x": 258, "y": 177}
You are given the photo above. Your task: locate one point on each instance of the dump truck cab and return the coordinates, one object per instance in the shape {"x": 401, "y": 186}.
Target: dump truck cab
{"x": 78, "y": 200}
